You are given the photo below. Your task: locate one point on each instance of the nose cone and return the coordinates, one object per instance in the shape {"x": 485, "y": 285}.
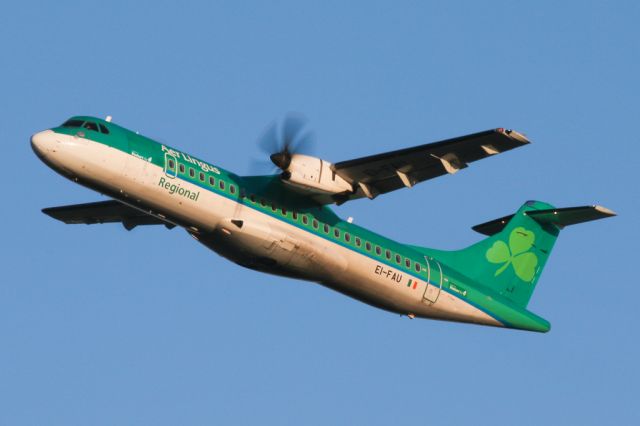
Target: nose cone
{"x": 43, "y": 143}
{"x": 281, "y": 159}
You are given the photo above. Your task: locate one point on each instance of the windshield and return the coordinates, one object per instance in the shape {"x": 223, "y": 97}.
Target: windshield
{"x": 89, "y": 125}
{"x": 73, "y": 123}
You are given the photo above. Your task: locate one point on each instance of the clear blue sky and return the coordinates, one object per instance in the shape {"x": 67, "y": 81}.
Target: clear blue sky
{"x": 102, "y": 326}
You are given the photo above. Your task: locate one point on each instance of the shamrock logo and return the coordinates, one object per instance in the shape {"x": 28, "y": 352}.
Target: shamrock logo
{"x": 516, "y": 253}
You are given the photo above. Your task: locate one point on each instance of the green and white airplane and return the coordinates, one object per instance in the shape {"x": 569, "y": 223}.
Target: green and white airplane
{"x": 281, "y": 223}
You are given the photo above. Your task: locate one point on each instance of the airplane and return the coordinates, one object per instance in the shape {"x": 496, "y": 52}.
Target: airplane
{"x": 282, "y": 223}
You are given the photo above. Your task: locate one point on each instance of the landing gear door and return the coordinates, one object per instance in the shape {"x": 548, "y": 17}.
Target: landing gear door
{"x": 434, "y": 281}
{"x": 170, "y": 165}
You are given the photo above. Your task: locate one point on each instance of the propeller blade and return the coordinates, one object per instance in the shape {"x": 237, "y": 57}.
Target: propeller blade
{"x": 291, "y": 129}
{"x": 269, "y": 141}
{"x": 262, "y": 167}
{"x": 304, "y": 143}
{"x": 281, "y": 143}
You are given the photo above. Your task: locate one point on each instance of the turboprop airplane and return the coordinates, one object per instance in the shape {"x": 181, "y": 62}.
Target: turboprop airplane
{"x": 282, "y": 223}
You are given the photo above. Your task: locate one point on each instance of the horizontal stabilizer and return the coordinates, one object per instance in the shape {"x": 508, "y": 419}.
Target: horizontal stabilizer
{"x": 104, "y": 212}
{"x": 493, "y": 226}
{"x": 559, "y": 217}
{"x": 570, "y": 215}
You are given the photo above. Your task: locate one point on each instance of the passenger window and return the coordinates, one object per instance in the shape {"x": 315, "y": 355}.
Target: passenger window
{"x": 358, "y": 242}
{"x": 407, "y": 263}
{"x": 232, "y": 189}
{"x": 182, "y": 168}
{"x": 378, "y": 250}
{"x": 103, "y": 129}
{"x": 398, "y": 259}
{"x": 201, "y": 176}
{"x": 325, "y": 227}
{"x": 347, "y": 237}
{"x": 305, "y": 219}
{"x": 252, "y": 197}
{"x": 273, "y": 207}
{"x": 172, "y": 165}
{"x": 284, "y": 211}
{"x": 387, "y": 254}
{"x": 192, "y": 173}
{"x": 418, "y": 267}
{"x": 314, "y": 223}
{"x": 294, "y": 215}
{"x": 263, "y": 203}
{"x": 336, "y": 232}
{"x": 221, "y": 184}
{"x": 91, "y": 126}
{"x": 212, "y": 181}
{"x": 367, "y": 246}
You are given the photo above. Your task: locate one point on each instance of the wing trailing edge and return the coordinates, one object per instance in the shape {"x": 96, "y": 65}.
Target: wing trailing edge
{"x": 381, "y": 173}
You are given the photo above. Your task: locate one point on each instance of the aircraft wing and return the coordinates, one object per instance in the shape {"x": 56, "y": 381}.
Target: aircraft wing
{"x": 104, "y": 212}
{"x": 382, "y": 173}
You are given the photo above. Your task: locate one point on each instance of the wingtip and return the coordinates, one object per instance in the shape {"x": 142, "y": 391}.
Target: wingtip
{"x": 520, "y": 137}
{"x": 605, "y": 211}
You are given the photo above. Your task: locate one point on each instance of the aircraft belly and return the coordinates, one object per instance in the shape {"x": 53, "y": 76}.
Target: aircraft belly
{"x": 299, "y": 254}
{"x": 386, "y": 291}
{"x": 262, "y": 242}
{"x": 361, "y": 282}
{"x": 258, "y": 241}
{"x": 450, "y": 308}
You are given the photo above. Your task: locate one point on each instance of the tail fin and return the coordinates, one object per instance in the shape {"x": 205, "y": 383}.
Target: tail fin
{"x": 511, "y": 260}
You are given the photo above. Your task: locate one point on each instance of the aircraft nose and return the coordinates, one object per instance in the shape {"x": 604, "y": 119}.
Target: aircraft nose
{"x": 43, "y": 143}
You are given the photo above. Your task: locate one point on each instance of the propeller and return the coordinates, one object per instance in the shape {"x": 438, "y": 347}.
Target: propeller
{"x": 280, "y": 143}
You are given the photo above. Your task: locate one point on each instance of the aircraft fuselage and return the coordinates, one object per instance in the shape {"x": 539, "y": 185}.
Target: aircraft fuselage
{"x": 253, "y": 227}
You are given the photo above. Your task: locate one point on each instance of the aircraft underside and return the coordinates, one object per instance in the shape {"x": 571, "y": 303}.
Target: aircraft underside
{"x": 256, "y": 241}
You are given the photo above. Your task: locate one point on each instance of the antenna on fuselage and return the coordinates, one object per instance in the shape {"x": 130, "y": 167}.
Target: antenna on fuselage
{"x": 108, "y": 119}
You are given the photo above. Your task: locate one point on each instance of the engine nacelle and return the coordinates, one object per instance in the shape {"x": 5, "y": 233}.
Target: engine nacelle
{"x": 314, "y": 174}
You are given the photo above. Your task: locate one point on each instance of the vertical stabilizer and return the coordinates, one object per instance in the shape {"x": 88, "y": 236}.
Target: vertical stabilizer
{"x": 512, "y": 258}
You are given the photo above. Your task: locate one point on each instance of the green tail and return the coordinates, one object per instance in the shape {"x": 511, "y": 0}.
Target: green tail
{"x": 511, "y": 260}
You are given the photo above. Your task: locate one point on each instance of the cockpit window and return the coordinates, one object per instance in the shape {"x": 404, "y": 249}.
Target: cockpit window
{"x": 91, "y": 126}
{"x": 103, "y": 129}
{"x": 73, "y": 123}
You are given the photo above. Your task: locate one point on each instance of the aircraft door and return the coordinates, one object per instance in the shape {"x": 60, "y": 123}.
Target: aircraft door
{"x": 434, "y": 281}
{"x": 170, "y": 165}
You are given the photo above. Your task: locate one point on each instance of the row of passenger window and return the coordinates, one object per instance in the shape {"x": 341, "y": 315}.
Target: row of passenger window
{"x": 315, "y": 224}
{"x": 337, "y": 233}
{"x": 201, "y": 176}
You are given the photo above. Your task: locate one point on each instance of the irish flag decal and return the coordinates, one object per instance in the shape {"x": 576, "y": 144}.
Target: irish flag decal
{"x": 413, "y": 283}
